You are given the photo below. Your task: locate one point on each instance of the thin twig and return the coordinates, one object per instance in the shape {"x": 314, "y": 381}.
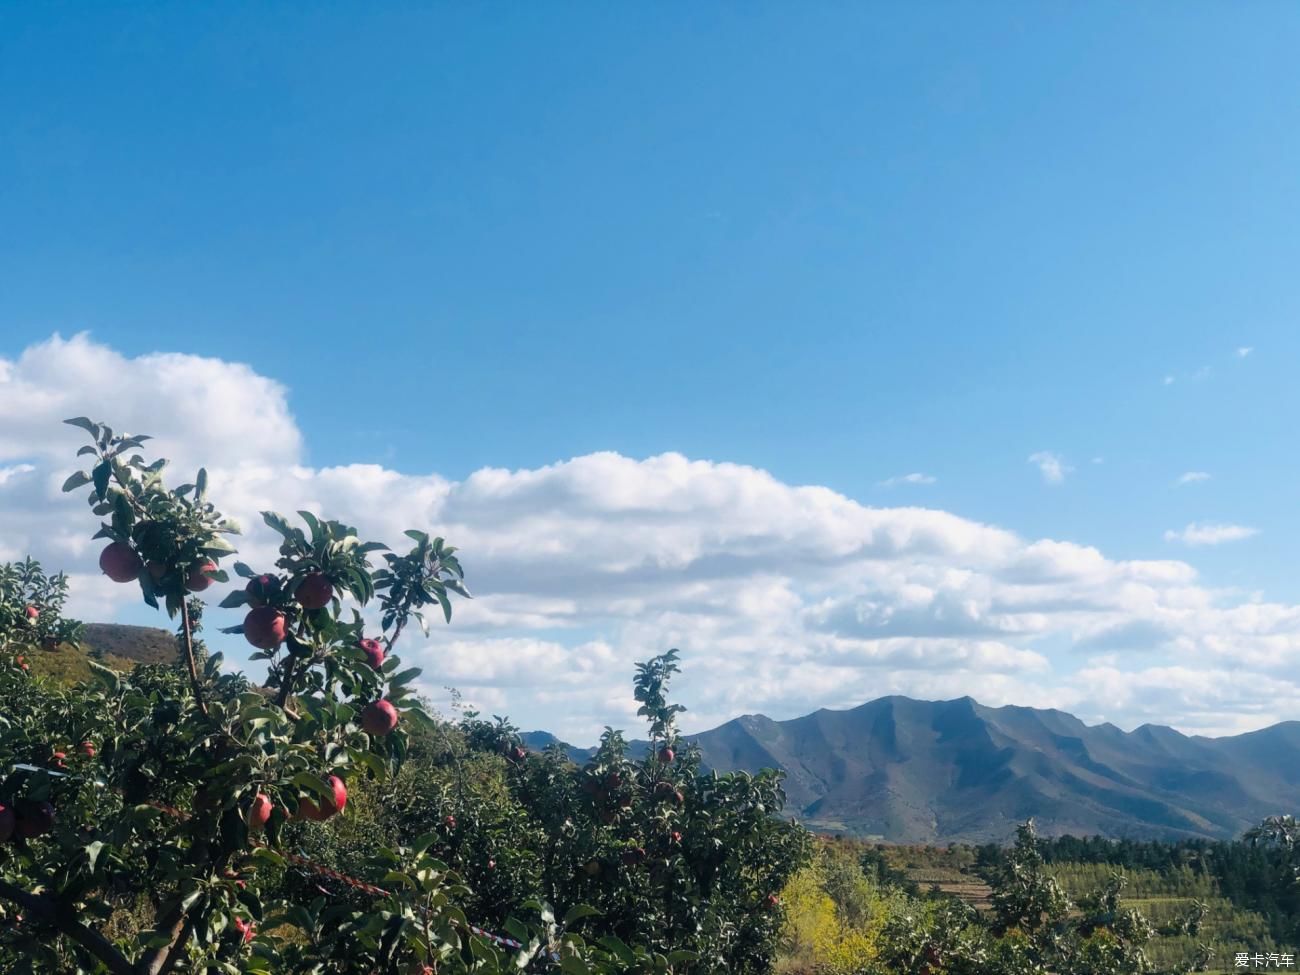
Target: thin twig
{"x": 286, "y": 687}
{"x": 189, "y": 658}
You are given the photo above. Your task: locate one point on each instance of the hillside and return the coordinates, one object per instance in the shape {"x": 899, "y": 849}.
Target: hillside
{"x": 118, "y": 645}
{"x": 911, "y": 771}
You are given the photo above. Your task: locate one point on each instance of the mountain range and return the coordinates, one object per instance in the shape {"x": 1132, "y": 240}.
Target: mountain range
{"x": 906, "y": 771}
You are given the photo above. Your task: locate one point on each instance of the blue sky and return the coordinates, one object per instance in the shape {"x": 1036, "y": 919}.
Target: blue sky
{"x": 839, "y": 243}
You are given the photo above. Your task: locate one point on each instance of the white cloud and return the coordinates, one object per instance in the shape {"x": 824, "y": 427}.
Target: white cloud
{"x": 1051, "y": 466}
{"x": 1244, "y": 350}
{"x": 783, "y": 598}
{"x": 1192, "y": 477}
{"x": 1208, "y": 533}
{"x": 1169, "y": 380}
{"x": 914, "y": 478}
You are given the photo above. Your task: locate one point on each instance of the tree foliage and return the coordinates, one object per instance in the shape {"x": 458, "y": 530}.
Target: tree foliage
{"x": 181, "y": 819}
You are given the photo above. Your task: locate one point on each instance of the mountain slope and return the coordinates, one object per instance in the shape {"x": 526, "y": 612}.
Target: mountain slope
{"x": 941, "y": 771}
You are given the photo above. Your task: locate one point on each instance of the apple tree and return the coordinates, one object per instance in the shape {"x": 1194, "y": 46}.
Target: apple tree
{"x": 155, "y": 809}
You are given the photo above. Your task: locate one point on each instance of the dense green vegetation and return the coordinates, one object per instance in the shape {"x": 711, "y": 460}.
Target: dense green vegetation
{"x": 1254, "y": 876}
{"x": 174, "y": 818}
{"x": 1204, "y": 901}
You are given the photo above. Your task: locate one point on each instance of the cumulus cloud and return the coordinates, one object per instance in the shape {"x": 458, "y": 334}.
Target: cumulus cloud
{"x": 783, "y": 598}
{"x": 914, "y": 478}
{"x": 1209, "y": 533}
{"x": 1051, "y": 466}
{"x": 1244, "y": 350}
{"x": 1192, "y": 477}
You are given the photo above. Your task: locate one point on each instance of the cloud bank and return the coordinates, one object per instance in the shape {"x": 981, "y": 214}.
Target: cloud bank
{"x": 783, "y": 598}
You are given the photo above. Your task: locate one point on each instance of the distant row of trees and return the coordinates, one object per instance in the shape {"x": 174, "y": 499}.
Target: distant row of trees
{"x": 1257, "y": 873}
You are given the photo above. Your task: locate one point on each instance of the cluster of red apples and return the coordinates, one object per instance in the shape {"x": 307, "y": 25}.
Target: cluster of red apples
{"x": 266, "y": 628}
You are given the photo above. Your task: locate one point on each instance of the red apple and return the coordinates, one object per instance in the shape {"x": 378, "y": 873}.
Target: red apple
{"x": 518, "y": 754}
{"x": 260, "y": 589}
{"x": 58, "y": 759}
{"x": 7, "y": 822}
{"x": 259, "y": 812}
{"x": 666, "y": 755}
{"x": 119, "y": 562}
{"x": 245, "y": 929}
{"x": 87, "y": 748}
{"x": 264, "y": 627}
{"x": 379, "y": 718}
{"x": 34, "y": 819}
{"x": 315, "y": 591}
{"x": 634, "y": 856}
{"x": 773, "y": 900}
{"x": 310, "y": 810}
{"x": 491, "y": 864}
{"x": 374, "y": 651}
{"x": 198, "y": 579}
{"x": 449, "y": 822}
{"x": 32, "y": 613}
{"x": 675, "y": 836}
{"x": 591, "y": 868}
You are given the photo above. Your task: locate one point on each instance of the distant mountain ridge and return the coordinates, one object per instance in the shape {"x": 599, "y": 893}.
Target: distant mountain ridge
{"x": 910, "y": 771}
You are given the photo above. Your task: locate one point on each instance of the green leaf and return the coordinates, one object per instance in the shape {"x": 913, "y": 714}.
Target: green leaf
{"x": 405, "y": 677}
{"x": 277, "y": 523}
{"x": 74, "y": 481}
{"x": 200, "y": 483}
{"x": 87, "y": 424}
{"x": 92, "y": 853}
{"x": 100, "y": 475}
{"x": 106, "y": 676}
{"x": 235, "y": 598}
{"x": 190, "y": 899}
{"x": 122, "y": 515}
{"x": 577, "y": 912}
{"x": 305, "y": 780}
{"x": 446, "y": 605}
{"x": 268, "y": 856}
{"x": 618, "y": 948}
{"x": 312, "y": 522}
{"x": 423, "y": 843}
